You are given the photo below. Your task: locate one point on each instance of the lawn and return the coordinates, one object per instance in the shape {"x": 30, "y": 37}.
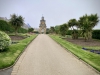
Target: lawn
{"x": 90, "y": 58}
{"x": 9, "y": 56}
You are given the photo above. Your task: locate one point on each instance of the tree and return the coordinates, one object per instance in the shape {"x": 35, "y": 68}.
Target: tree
{"x": 52, "y": 29}
{"x": 16, "y": 22}
{"x": 87, "y": 23}
{"x": 73, "y": 23}
{"x": 30, "y": 29}
{"x": 57, "y": 29}
{"x": 63, "y": 29}
{"x": 47, "y": 30}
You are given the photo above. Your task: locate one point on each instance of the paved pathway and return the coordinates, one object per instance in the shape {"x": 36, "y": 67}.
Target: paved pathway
{"x": 6, "y": 72}
{"x": 45, "y": 57}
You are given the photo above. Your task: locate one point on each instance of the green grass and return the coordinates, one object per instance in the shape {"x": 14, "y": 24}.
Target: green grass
{"x": 88, "y": 57}
{"x": 8, "y": 57}
{"x": 94, "y": 47}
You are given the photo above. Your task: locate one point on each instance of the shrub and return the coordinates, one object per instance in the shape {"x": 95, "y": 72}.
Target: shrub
{"x": 69, "y": 32}
{"x": 36, "y": 32}
{"x": 5, "y": 40}
{"x": 22, "y": 30}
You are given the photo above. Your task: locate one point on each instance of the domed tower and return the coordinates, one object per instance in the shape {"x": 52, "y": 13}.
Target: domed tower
{"x": 42, "y": 27}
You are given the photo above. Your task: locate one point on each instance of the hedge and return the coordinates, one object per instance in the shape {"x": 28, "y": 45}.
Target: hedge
{"x": 96, "y": 34}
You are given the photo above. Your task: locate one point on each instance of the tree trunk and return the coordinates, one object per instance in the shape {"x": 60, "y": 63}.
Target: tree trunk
{"x": 16, "y": 30}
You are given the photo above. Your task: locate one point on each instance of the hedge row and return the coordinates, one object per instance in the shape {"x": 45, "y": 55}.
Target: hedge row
{"x": 96, "y": 34}
{"x": 4, "y": 26}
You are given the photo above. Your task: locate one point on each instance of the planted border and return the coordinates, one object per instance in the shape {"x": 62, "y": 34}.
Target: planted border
{"x": 90, "y": 58}
{"x": 8, "y": 57}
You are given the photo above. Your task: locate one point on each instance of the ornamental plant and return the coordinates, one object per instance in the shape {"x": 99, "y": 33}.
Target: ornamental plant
{"x": 5, "y": 40}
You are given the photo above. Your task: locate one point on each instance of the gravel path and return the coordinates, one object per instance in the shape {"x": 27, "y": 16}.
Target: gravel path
{"x": 45, "y": 57}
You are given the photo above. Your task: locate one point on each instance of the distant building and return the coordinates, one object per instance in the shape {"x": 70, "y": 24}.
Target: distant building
{"x": 26, "y": 26}
{"x": 29, "y": 25}
{"x": 42, "y": 27}
{"x": 4, "y": 18}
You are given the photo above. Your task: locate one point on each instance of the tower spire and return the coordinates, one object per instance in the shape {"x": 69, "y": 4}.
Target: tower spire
{"x": 42, "y": 17}
{"x": 42, "y": 26}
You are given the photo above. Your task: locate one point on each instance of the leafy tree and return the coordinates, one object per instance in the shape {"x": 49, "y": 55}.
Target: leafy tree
{"x": 16, "y": 22}
{"x": 87, "y": 23}
{"x": 63, "y": 29}
{"x": 57, "y": 29}
{"x": 52, "y": 29}
{"x": 47, "y": 31}
{"x": 73, "y": 23}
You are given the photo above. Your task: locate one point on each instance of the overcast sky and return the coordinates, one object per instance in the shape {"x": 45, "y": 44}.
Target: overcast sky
{"x": 55, "y": 12}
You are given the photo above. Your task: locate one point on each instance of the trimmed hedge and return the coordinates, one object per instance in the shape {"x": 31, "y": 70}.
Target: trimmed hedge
{"x": 96, "y": 34}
